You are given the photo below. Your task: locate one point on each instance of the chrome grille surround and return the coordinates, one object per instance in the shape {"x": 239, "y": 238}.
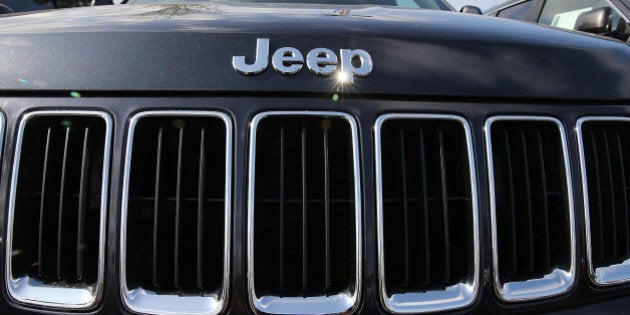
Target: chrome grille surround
{"x": 28, "y": 290}
{"x": 558, "y": 281}
{"x": 148, "y": 302}
{"x": 454, "y": 297}
{"x": 613, "y": 274}
{"x": 339, "y": 303}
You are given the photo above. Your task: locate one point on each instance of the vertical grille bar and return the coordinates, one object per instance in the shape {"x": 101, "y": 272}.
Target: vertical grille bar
{"x": 543, "y": 188}
{"x": 598, "y": 194}
{"x": 83, "y": 192}
{"x": 42, "y": 204}
{"x": 425, "y": 209}
{"x": 508, "y": 159}
{"x": 447, "y": 241}
{"x": 528, "y": 196}
{"x": 624, "y": 194}
{"x": 611, "y": 188}
{"x": 327, "y": 209}
{"x": 178, "y": 207}
{"x": 201, "y": 187}
{"x": 304, "y": 218}
{"x": 403, "y": 178}
{"x": 156, "y": 206}
{"x": 282, "y": 210}
{"x": 62, "y": 188}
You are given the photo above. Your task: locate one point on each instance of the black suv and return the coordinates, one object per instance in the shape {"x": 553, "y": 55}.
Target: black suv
{"x": 310, "y": 158}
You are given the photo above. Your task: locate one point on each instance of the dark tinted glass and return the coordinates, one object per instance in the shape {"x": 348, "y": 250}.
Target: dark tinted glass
{"x": 522, "y": 11}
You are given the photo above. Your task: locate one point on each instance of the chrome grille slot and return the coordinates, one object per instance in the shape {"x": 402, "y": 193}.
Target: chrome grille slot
{"x": 532, "y": 209}
{"x": 427, "y": 213}
{"x": 604, "y": 155}
{"x": 176, "y": 212}
{"x": 304, "y": 213}
{"x": 57, "y": 209}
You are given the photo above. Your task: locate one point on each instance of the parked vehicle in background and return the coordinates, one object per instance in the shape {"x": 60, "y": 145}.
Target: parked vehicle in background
{"x": 605, "y": 17}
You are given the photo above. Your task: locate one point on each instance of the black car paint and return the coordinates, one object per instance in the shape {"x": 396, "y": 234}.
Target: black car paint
{"x": 415, "y": 52}
{"x": 123, "y": 60}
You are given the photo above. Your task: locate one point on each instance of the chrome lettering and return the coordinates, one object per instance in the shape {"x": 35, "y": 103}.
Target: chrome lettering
{"x": 288, "y": 61}
{"x": 260, "y": 63}
{"x": 321, "y": 61}
{"x": 365, "y": 63}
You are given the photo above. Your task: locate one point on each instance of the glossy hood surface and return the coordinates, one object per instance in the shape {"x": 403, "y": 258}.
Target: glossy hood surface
{"x": 189, "y": 48}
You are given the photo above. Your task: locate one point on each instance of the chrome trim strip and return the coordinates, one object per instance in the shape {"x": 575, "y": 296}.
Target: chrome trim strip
{"x": 148, "y": 302}
{"x": 30, "y": 291}
{"x": 558, "y": 281}
{"x": 454, "y": 297}
{"x": 339, "y": 303}
{"x": 613, "y": 274}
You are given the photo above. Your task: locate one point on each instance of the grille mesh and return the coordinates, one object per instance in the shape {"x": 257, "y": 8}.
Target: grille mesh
{"x": 605, "y": 150}
{"x": 532, "y": 211}
{"x": 176, "y": 205}
{"x": 58, "y": 204}
{"x": 304, "y": 228}
{"x": 426, "y": 205}
{"x": 58, "y": 197}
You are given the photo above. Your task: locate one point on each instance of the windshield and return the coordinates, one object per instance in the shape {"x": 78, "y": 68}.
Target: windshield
{"x": 416, "y": 4}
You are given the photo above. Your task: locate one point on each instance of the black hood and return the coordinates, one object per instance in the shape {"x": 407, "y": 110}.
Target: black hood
{"x": 189, "y": 47}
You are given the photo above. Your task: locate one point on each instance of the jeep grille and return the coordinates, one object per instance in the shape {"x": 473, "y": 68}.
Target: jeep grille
{"x": 604, "y": 143}
{"x": 428, "y": 234}
{"x": 58, "y": 208}
{"x": 304, "y": 213}
{"x": 176, "y": 212}
{"x": 531, "y": 207}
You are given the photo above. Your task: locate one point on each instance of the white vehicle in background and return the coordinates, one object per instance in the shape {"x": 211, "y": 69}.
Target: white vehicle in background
{"x": 604, "y": 17}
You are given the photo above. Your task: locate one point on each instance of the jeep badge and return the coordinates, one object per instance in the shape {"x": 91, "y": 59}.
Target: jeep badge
{"x": 320, "y": 61}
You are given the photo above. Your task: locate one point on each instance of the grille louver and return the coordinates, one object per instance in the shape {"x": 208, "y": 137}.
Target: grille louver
{"x": 428, "y": 234}
{"x": 604, "y": 156}
{"x": 176, "y": 212}
{"x": 532, "y": 211}
{"x": 304, "y": 213}
{"x": 57, "y": 208}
